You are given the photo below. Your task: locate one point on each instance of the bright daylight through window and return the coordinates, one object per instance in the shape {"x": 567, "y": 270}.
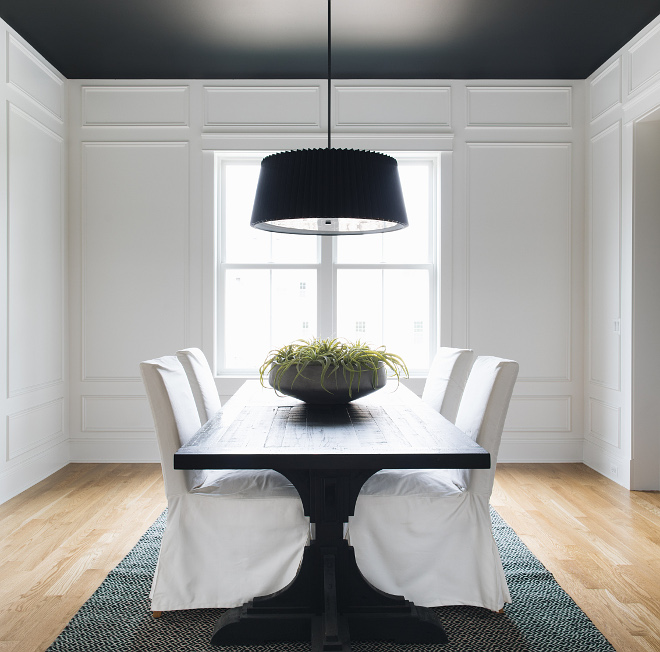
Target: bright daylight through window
{"x": 275, "y": 288}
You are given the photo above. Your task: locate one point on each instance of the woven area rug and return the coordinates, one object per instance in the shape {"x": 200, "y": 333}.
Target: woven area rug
{"x": 542, "y": 617}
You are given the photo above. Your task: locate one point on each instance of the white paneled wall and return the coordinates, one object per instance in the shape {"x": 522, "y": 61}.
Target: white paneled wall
{"x": 142, "y": 231}
{"x": 33, "y": 274}
{"x": 133, "y": 277}
{"x": 517, "y": 251}
{"x": 623, "y": 240}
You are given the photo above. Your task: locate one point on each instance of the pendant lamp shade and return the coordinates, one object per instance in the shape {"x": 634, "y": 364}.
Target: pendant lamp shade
{"x": 329, "y": 192}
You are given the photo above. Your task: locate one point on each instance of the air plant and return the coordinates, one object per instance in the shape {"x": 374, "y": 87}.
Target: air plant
{"x": 351, "y": 358}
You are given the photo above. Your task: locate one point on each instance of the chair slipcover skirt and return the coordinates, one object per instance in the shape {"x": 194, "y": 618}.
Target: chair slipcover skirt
{"x": 435, "y": 549}
{"x": 222, "y": 551}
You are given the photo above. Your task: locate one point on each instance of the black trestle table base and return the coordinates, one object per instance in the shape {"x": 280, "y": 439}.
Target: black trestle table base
{"x": 329, "y": 601}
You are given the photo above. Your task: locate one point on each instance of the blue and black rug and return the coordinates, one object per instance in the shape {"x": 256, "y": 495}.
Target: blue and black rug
{"x": 542, "y": 618}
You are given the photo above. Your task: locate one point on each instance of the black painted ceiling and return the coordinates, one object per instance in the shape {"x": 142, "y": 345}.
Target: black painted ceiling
{"x": 286, "y": 39}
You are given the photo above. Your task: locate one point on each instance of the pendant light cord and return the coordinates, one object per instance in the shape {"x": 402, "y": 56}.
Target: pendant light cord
{"x": 329, "y": 69}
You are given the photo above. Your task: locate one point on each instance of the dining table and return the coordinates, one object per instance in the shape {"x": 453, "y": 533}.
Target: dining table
{"x": 328, "y": 451}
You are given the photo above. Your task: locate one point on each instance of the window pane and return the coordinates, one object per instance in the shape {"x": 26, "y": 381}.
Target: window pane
{"x": 406, "y": 315}
{"x": 366, "y": 248}
{"x": 293, "y": 307}
{"x": 242, "y": 242}
{"x": 410, "y": 245}
{"x": 247, "y": 245}
{"x": 247, "y": 318}
{"x": 265, "y": 309}
{"x": 360, "y": 306}
{"x": 389, "y": 307}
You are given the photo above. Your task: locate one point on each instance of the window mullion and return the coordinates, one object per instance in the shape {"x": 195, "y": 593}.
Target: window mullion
{"x": 326, "y": 299}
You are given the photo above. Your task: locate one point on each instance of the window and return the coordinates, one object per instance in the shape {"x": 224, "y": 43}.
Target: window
{"x": 274, "y": 288}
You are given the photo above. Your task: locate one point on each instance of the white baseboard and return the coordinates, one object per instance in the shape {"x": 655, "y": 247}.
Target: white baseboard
{"x": 114, "y": 450}
{"x": 540, "y": 450}
{"x": 26, "y": 474}
{"x": 611, "y": 466}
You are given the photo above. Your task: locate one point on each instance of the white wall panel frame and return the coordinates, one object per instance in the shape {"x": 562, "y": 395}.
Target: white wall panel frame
{"x": 34, "y": 79}
{"x": 563, "y": 372}
{"x": 604, "y": 422}
{"x": 183, "y": 243}
{"x": 116, "y": 413}
{"x": 373, "y": 108}
{"x": 525, "y": 450}
{"x": 31, "y": 366}
{"x": 605, "y": 90}
{"x": 32, "y": 469}
{"x": 540, "y": 413}
{"x": 33, "y": 428}
{"x": 263, "y": 107}
{"x": 135, "y": 106}
{"x": 519, "y": 106}
{"x": 644, "y": 61}
{"x": 115, "y": 450}
{"x": 611, "y": 378}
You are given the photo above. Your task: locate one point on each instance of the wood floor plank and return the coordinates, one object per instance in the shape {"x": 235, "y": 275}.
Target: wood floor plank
{"x": 60, "y": 538}
{"x": 597, "y": 538}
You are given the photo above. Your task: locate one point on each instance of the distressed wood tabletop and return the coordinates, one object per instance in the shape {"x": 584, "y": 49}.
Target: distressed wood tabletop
{"x": 391, "y": 428}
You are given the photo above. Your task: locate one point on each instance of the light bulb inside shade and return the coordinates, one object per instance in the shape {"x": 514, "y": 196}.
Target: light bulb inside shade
{"x": 329, "y": 192}
{"x": 329, "y": 226}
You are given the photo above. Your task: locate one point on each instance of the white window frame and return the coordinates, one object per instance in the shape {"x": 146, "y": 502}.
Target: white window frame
{"x": 424, "y": 145}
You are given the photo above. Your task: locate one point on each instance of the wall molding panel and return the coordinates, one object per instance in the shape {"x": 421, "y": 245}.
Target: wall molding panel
{"x": 605, "y": 422}
{"x": 119, "y": 450}
{"x": 605, "y": 90}
{"x": 36, "y": 281}
{"x": 263, "y": 107}
{"x": 18, "y": 477}
{"x": 30, "y": 76}
{"x": 135, "y": 222}
{"x": 534, "y": 450}
{"x": 135, "y": 106}
{"x": 34, "y": 427}
{"x": 116, "y": 413}
{"x": 521, "y": 193}
{"x": 539, "y": 414}
{"x": 528, "y": 106}
{"x": 644, "y": 61}
{"x": 604, "y": 284}
{"x": 392, "y": 107}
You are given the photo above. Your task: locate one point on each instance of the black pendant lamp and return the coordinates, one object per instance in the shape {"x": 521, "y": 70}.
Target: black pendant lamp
{"x": 329, "y": 191}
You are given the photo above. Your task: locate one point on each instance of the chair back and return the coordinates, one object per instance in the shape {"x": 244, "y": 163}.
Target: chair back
{"x": 482, "y": 412}
{"x": 175, "y": 417}
{"x": 201, "y": 382}
{"x": 446, "y": 380}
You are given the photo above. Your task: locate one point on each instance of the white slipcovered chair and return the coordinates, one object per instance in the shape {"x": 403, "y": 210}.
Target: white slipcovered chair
{"x": 446, "y": 380}
{"x": 201, "y": 382}
{"x": 425, "y": 533}
{"x": 230, "y": 535}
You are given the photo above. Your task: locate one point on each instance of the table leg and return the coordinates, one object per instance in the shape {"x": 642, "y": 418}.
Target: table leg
{"x": 329, "y": 601}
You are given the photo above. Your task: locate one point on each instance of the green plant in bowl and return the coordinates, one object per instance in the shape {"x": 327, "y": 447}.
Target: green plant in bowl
{"x": 330, "y": 370}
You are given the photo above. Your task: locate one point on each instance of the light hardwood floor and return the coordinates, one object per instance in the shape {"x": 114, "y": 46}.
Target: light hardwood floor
{"x": 59, "y": 539}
